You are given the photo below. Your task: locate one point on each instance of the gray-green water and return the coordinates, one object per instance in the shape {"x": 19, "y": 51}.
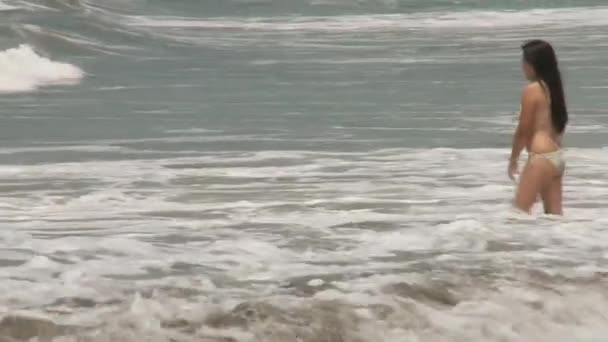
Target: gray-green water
{"x": 292, "y": 171}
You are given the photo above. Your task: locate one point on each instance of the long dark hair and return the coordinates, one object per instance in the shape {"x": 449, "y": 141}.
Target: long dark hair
{"x": 541, "y": 56}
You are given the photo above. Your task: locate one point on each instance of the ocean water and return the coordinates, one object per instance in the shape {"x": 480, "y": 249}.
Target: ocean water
{"x": 295, "y": 170}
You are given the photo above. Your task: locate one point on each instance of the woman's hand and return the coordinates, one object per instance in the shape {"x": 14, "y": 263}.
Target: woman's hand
{"x": 513, "y": 169}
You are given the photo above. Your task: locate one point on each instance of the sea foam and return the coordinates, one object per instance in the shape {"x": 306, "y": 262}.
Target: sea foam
{"x": 23, "y": 70}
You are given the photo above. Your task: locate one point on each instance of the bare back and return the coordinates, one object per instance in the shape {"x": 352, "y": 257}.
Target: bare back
{"x": 544, "y": 137}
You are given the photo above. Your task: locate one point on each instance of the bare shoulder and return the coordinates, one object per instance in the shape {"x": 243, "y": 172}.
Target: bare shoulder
{"x": 533, "y": 91}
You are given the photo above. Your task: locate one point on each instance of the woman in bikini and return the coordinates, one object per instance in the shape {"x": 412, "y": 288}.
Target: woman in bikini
{"x": 542, "y": 123}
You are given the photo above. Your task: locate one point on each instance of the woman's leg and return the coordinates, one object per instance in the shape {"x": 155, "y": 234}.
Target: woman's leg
{"x": 552, "y": 196}
{"x": 531, "y": 183}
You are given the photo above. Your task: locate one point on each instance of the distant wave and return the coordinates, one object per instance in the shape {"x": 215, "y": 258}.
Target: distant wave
{"x": 6, "y": 7}
{"x": 249, "y": 8}
{"x": 22, "y": 70}
{"x": 565, "y": 17}
{"x": 142, "y": 29}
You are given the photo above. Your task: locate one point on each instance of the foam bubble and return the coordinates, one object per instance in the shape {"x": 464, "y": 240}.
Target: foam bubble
{"x": 23, "y": 70}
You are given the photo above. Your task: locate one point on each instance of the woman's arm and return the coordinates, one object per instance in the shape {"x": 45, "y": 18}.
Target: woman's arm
{"x": 525, "y": 127}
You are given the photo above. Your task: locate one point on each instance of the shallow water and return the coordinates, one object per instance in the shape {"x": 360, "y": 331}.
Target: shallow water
{"x": 295, "y": 171}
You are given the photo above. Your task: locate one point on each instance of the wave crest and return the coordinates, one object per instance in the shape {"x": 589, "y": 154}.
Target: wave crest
{"x": 23, "y": 70}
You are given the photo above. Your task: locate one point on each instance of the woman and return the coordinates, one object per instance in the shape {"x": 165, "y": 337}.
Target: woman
{"x": 542, "y": 123}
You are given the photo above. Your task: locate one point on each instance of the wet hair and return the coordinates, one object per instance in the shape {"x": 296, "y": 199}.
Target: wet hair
{"x": 541, "y": 56}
